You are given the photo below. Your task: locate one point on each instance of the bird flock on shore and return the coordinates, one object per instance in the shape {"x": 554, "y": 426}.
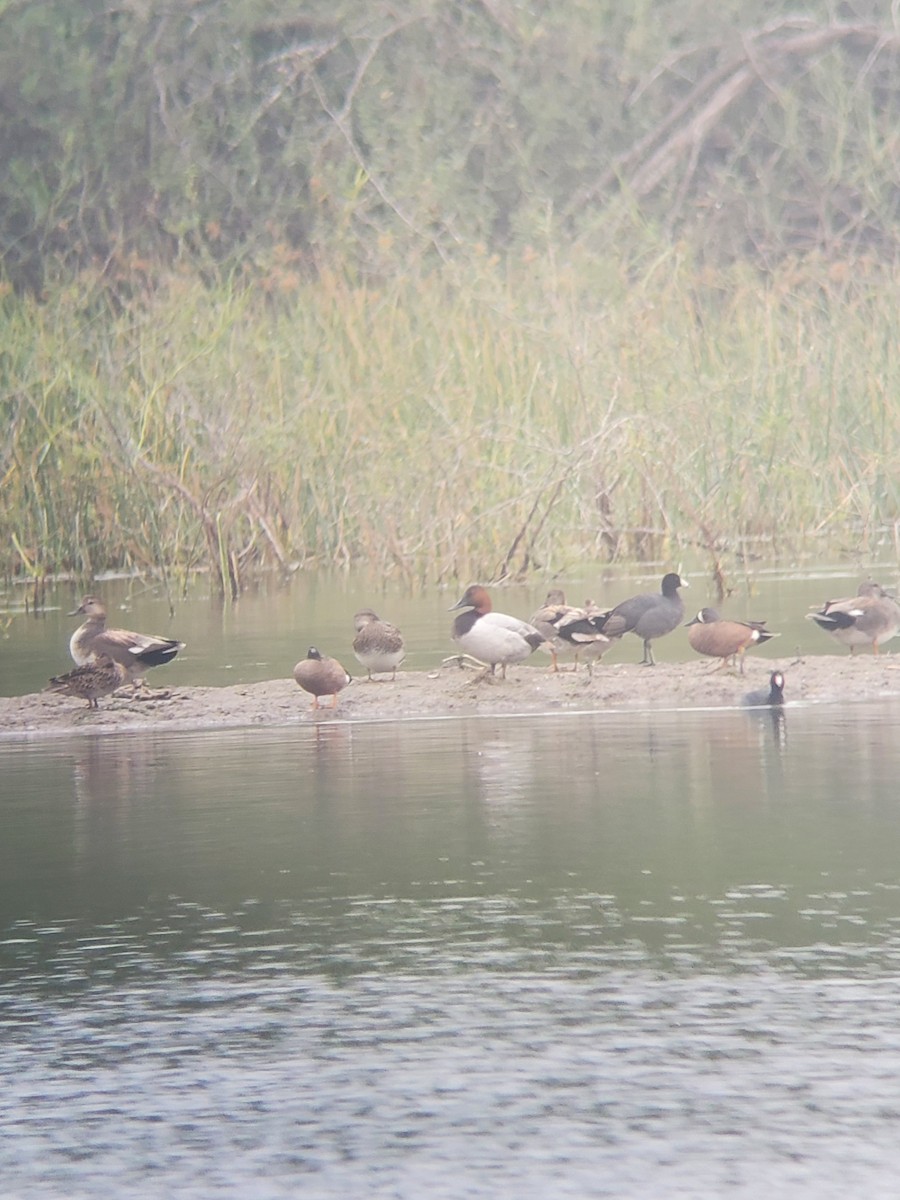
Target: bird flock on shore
{"x": 108, "y": 659}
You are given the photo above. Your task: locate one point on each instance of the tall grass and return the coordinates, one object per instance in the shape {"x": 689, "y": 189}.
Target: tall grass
{"x": 521, "y": 417}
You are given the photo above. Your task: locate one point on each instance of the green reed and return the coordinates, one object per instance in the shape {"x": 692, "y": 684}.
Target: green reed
{"x": 506, "y": 419}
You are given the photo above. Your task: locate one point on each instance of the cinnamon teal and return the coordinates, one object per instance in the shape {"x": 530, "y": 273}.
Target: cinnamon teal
{"x": 493, "y": 638}
{"x": 321, "y": 676}
{"x": 137, "y": 652}
{"x": 378, "y": 645}
{"x": 710, "y": 634}
{"x": 649, "y": 616}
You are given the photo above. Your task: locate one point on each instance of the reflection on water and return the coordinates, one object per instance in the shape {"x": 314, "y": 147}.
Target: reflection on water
{"x": 619, "y": 954}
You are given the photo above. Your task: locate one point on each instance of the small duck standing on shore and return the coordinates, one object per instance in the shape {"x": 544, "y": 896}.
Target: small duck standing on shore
{"x": 378, "y": 644}
{"x": 136, "y": 652}
{"x": 866, "y": 619}
{"x": 649, "y": 615}
{"x": 493, "y": 638}
{"x": 709, "y": 634}
{"x": 570, "y": 630}
{"x": 546, "y": 619}
{"x": 321, "y": 676}
{"x": 98, "y": 678}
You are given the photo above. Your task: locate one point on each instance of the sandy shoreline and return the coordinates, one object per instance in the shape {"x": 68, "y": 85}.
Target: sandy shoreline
{"x": 451, "y": 692}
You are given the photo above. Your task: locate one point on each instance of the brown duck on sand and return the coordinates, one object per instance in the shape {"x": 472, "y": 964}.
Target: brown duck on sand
{"x": 709, "y": 634}
{"x": 321, "y": 676}
{"x": 98, "y": 678}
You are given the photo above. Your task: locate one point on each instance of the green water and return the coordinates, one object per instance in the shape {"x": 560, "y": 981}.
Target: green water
{"x": 610, "y": 955}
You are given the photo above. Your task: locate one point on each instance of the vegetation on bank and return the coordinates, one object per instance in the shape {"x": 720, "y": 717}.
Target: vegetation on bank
{"x": 461, "y": 289}
{"x": 527, "y": 416}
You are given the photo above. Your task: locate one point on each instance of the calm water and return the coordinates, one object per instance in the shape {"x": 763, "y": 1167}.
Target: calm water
{"x": 583, "y": 956}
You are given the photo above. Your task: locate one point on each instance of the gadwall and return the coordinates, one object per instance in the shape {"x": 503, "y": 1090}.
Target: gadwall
{"x": 137, "y": 652}
{"x": 869, "y": 618}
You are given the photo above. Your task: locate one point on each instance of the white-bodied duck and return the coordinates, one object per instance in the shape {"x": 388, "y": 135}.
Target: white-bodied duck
{"x": 492, "y": 638}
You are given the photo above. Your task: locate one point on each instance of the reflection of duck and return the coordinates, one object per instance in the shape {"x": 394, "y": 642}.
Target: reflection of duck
{"x": 95, "y": 679}
{"x": 774, "y": 694}
{"x": 649, "y": 615}
{"x": 866, "y": 619}
{"x": 490, "y": 637}
{"x": 378, "y": 645}
{"x": 321, "y": 676}
{"x": 709, "y": 634}
{"x": 137, "y": 652}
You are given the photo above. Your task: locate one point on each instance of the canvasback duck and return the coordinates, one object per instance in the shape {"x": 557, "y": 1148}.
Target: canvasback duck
{"x": 378, "y": 644}
{"x": 492, "y": 638}
{"x": 710, "y": 634}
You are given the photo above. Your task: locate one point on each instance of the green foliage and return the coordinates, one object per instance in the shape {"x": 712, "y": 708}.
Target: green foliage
{"x": 445, "y": 288}
{"x": 251, "y": 132}
{"x": 473, "y": 426}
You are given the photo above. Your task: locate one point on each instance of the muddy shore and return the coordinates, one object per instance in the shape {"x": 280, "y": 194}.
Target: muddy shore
{"x": 452, "y": 692}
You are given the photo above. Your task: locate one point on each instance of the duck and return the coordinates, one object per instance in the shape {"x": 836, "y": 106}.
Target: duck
{"x": 869, "y": 618}
{"x": 492, "y": 638}
{"x": 378, "y": 644}
{"x": 321, "y": 676}
{"x": 710, "y": 634}
{"x": 772, "y": 695}
{"x": 650, "y": 615}
{"x": 545, "y": 620}
{"x": 570, "y": 630}
{"x": 98, "y": 678}
{"x": 136, "y": 652}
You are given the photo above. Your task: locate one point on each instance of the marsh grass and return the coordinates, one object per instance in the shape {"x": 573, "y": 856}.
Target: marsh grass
{"x": 439, "y": 426}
